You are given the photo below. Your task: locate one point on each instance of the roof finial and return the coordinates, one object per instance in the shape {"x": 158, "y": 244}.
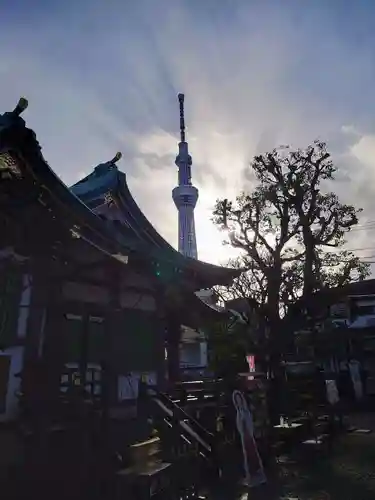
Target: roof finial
{"x": 116, "y": 158}
{"x": 21, "y": 106}
{"x": 181, "y": 98}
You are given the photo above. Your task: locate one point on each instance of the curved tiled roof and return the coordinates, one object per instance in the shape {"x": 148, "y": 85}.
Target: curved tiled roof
{"x": 106, "y": 192}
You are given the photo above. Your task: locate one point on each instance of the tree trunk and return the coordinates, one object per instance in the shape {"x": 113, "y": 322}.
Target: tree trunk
{"x": 308, "y": 274}
{"x": 274, "y": 346}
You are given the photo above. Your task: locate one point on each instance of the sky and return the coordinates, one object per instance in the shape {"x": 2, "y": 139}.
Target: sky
{"x": 103, "y": 75}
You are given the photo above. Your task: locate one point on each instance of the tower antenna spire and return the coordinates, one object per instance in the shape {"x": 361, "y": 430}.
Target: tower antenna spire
{"x": 181, "y": 99}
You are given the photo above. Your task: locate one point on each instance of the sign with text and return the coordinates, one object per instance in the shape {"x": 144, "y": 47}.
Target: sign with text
{"x": 128, "y": 385}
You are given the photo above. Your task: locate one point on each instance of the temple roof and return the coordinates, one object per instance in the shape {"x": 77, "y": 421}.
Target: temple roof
{"x": 108, "y": 216}
{"x": 105, "y": 191}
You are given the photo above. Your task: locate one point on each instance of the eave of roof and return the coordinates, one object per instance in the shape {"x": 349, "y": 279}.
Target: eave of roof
{"x": 22, "y": 145}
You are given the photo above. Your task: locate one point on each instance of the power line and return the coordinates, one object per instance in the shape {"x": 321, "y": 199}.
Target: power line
{"x": 360, "y": 224}
{"x": 357, "y": 249}
{"x": 367, "y": 223}
{"x": 352, "y": 250}
{"x": 363, "y": 259}
{"x": 362, "y": 228}
{"x": 363, "y": 256}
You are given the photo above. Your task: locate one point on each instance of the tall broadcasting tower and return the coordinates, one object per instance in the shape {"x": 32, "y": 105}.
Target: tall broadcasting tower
{"x": 185, "y": 195}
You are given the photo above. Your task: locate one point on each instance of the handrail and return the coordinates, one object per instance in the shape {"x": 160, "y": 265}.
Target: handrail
{"x": 176, "y": 407}
{"x": 185, "y": 426}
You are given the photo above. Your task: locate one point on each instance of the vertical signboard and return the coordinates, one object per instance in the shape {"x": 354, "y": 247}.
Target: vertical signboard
{"x": 253, "y": 466}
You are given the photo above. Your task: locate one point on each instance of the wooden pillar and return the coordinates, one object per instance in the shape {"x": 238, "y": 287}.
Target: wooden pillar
{"x": 50, "y": 343}
{"x": 40, "y": 301}
{"x": 161, "y": 315}
{"x": 173, "y": 347}
{"x": 161, "y": 370}
{"x": 43, "y": 338}
{"x": 109, "y": 375}
{"x": 84, "y": 349}
{"x": 168, "y": 304}
{"x": 34, "y": 322}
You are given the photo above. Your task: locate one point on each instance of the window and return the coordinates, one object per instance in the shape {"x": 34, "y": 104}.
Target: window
{"x": 365, "y": 310}
{"x": 74, "y": 338}
{"x": 71, "y": 376}
{"x": 339, "y": 310}
{"x": 76, "y": 346}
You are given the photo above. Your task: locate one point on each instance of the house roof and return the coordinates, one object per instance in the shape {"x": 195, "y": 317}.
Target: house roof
{"x": 318, "y": 304}
{"x": 356, "y": 288}
{"x": 365, "y": 287}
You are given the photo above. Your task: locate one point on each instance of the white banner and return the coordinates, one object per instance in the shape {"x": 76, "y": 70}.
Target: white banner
{"x": 332, "y": 392}
{"x": 355, "y": 374}
{"x": 253, "y": 466}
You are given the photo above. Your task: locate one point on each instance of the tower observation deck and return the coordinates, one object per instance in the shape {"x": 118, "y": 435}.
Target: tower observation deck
{"x": 185, "y": 195}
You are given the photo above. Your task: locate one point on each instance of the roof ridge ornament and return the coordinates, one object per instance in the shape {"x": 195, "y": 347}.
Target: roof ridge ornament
{"x": 107, "y": 166}
{"x": 116, "y": 158}
{"x": 22, "y": 104}
{"x": 11, "y": 119}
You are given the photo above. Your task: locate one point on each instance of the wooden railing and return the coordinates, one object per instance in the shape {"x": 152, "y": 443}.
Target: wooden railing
{"x": 186, "y": 431}
{"x": 195, "y": 422}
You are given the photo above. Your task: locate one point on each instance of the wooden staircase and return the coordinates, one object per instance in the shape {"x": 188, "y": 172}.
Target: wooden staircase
{"x": 198, "y": 456}
{"x": 178, "y": 459}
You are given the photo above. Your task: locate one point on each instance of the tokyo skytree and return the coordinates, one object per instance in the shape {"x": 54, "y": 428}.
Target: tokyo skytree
{"x": 185, "y": 195}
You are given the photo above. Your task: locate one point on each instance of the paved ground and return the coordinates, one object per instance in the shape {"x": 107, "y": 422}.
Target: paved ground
{"x": 347, "y": 473}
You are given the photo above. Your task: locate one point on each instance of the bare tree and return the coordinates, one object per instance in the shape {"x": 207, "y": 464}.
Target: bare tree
{"x": 284, "y": 228}
{"x": 297, "y": 177}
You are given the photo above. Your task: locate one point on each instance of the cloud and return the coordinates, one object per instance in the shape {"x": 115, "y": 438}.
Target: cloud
{"x": 102, "y": 78}
{"x": 361, "y": 158}
{"x": 350, "y": 130}
{"x": 364, "y": 151}
{"x": 356, "y": 185}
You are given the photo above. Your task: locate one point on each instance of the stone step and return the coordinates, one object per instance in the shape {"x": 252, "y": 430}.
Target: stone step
{"x": 362, "y": 431}
{"x": 147, "y": 481}
{"x": 143, "y": 451}
{"x": 316, "y": 440}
